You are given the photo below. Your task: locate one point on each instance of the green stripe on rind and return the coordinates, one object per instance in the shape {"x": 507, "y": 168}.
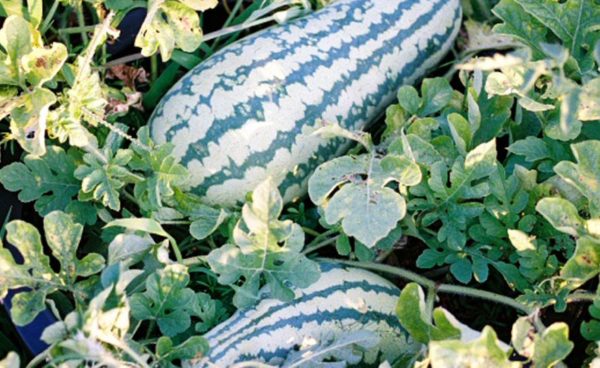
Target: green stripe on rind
{"x": 343, "y": 300}
{"x": 238, "y": 148}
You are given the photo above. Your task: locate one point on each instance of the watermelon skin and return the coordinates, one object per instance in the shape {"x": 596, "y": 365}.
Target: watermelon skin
{"x": 341, "y": 301}
{"x": 248, "y": 112}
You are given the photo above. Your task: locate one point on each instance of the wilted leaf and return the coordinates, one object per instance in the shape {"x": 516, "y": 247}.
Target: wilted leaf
{"x": 171, "y": 24}
{"x": 28, "y": 122}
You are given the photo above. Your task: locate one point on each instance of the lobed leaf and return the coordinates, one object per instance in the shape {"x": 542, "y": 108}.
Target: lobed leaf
{"x": 267, "y": 252}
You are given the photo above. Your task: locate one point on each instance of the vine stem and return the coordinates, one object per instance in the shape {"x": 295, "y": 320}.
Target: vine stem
{"x": 442, "y": 288}
{"x": 320, "y": 245}
{"x": 582, "y": 297}
{"x": 109, "y": 339}
{"x": 207, "y": 37}
{"x": 39, "y": 358}
{"x": 81, "y": 21}
{"x": 46, "y": 24}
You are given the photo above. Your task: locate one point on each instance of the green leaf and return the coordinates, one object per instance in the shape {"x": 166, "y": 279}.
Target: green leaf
{"x": 496, "y": 112}
{"x": 165, "y": 300}
{"x": 267, "y": 251}
{"x": 63, "y": 236}
{"x": 47, "y": 180}
{"x": 453, "y": 203}
{"x": 437, "y": 94}
{"x": 103, "y": 177}
{"x": 462, "y": 269}
{"x": 413, "y": 315}
{"x": 128, "y": 249}
{"x": 590, "y": 330}
{"x": 118, "y": 4}
{"x": 207, "y": 221}
{"x": 461, "y": 132}
{"x": 533, "y": 148}
{"x": 585, "y": 174}
{"x": 533, "y": 257}
{"x": 571, "y": 21}
{"x": 409, "y": 99}
{"x": 513, "y": 19}
{"x": 163, "y": 173}
{"x": 192, "y": 348}
{"x": 561, "y": 214}
{"x": 211, "y": 312}
{"x": 552, "y": 345}
{"x": 483, "y": 352}
{"x": 342, "y": 245}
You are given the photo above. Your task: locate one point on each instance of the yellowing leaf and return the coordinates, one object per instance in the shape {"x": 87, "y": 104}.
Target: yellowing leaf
{"x": 483, "y": 352}
{"x": 200, "y": 5}
{"x": 584, "y": 264}
{"x": 16, "y": 39}
{"x": 28, "y": 123}
{"x": 170, "y": 24}
{"x": 521, "y": 241}
{"x": 42, "y": 64}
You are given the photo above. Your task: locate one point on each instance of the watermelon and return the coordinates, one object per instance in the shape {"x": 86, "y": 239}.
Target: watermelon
{"x": 249, "y": 111}
{"x": 342, "y": 301}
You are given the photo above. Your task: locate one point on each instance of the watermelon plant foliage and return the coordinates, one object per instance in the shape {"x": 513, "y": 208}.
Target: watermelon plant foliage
{"x": 486, "y": 174}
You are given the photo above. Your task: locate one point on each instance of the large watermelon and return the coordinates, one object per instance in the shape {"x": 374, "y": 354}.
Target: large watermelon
{"x": 248, "y": 111}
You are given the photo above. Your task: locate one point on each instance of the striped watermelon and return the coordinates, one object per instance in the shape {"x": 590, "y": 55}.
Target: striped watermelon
{"x": 247, "y": 112}
{"x": 343, "y": 300}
